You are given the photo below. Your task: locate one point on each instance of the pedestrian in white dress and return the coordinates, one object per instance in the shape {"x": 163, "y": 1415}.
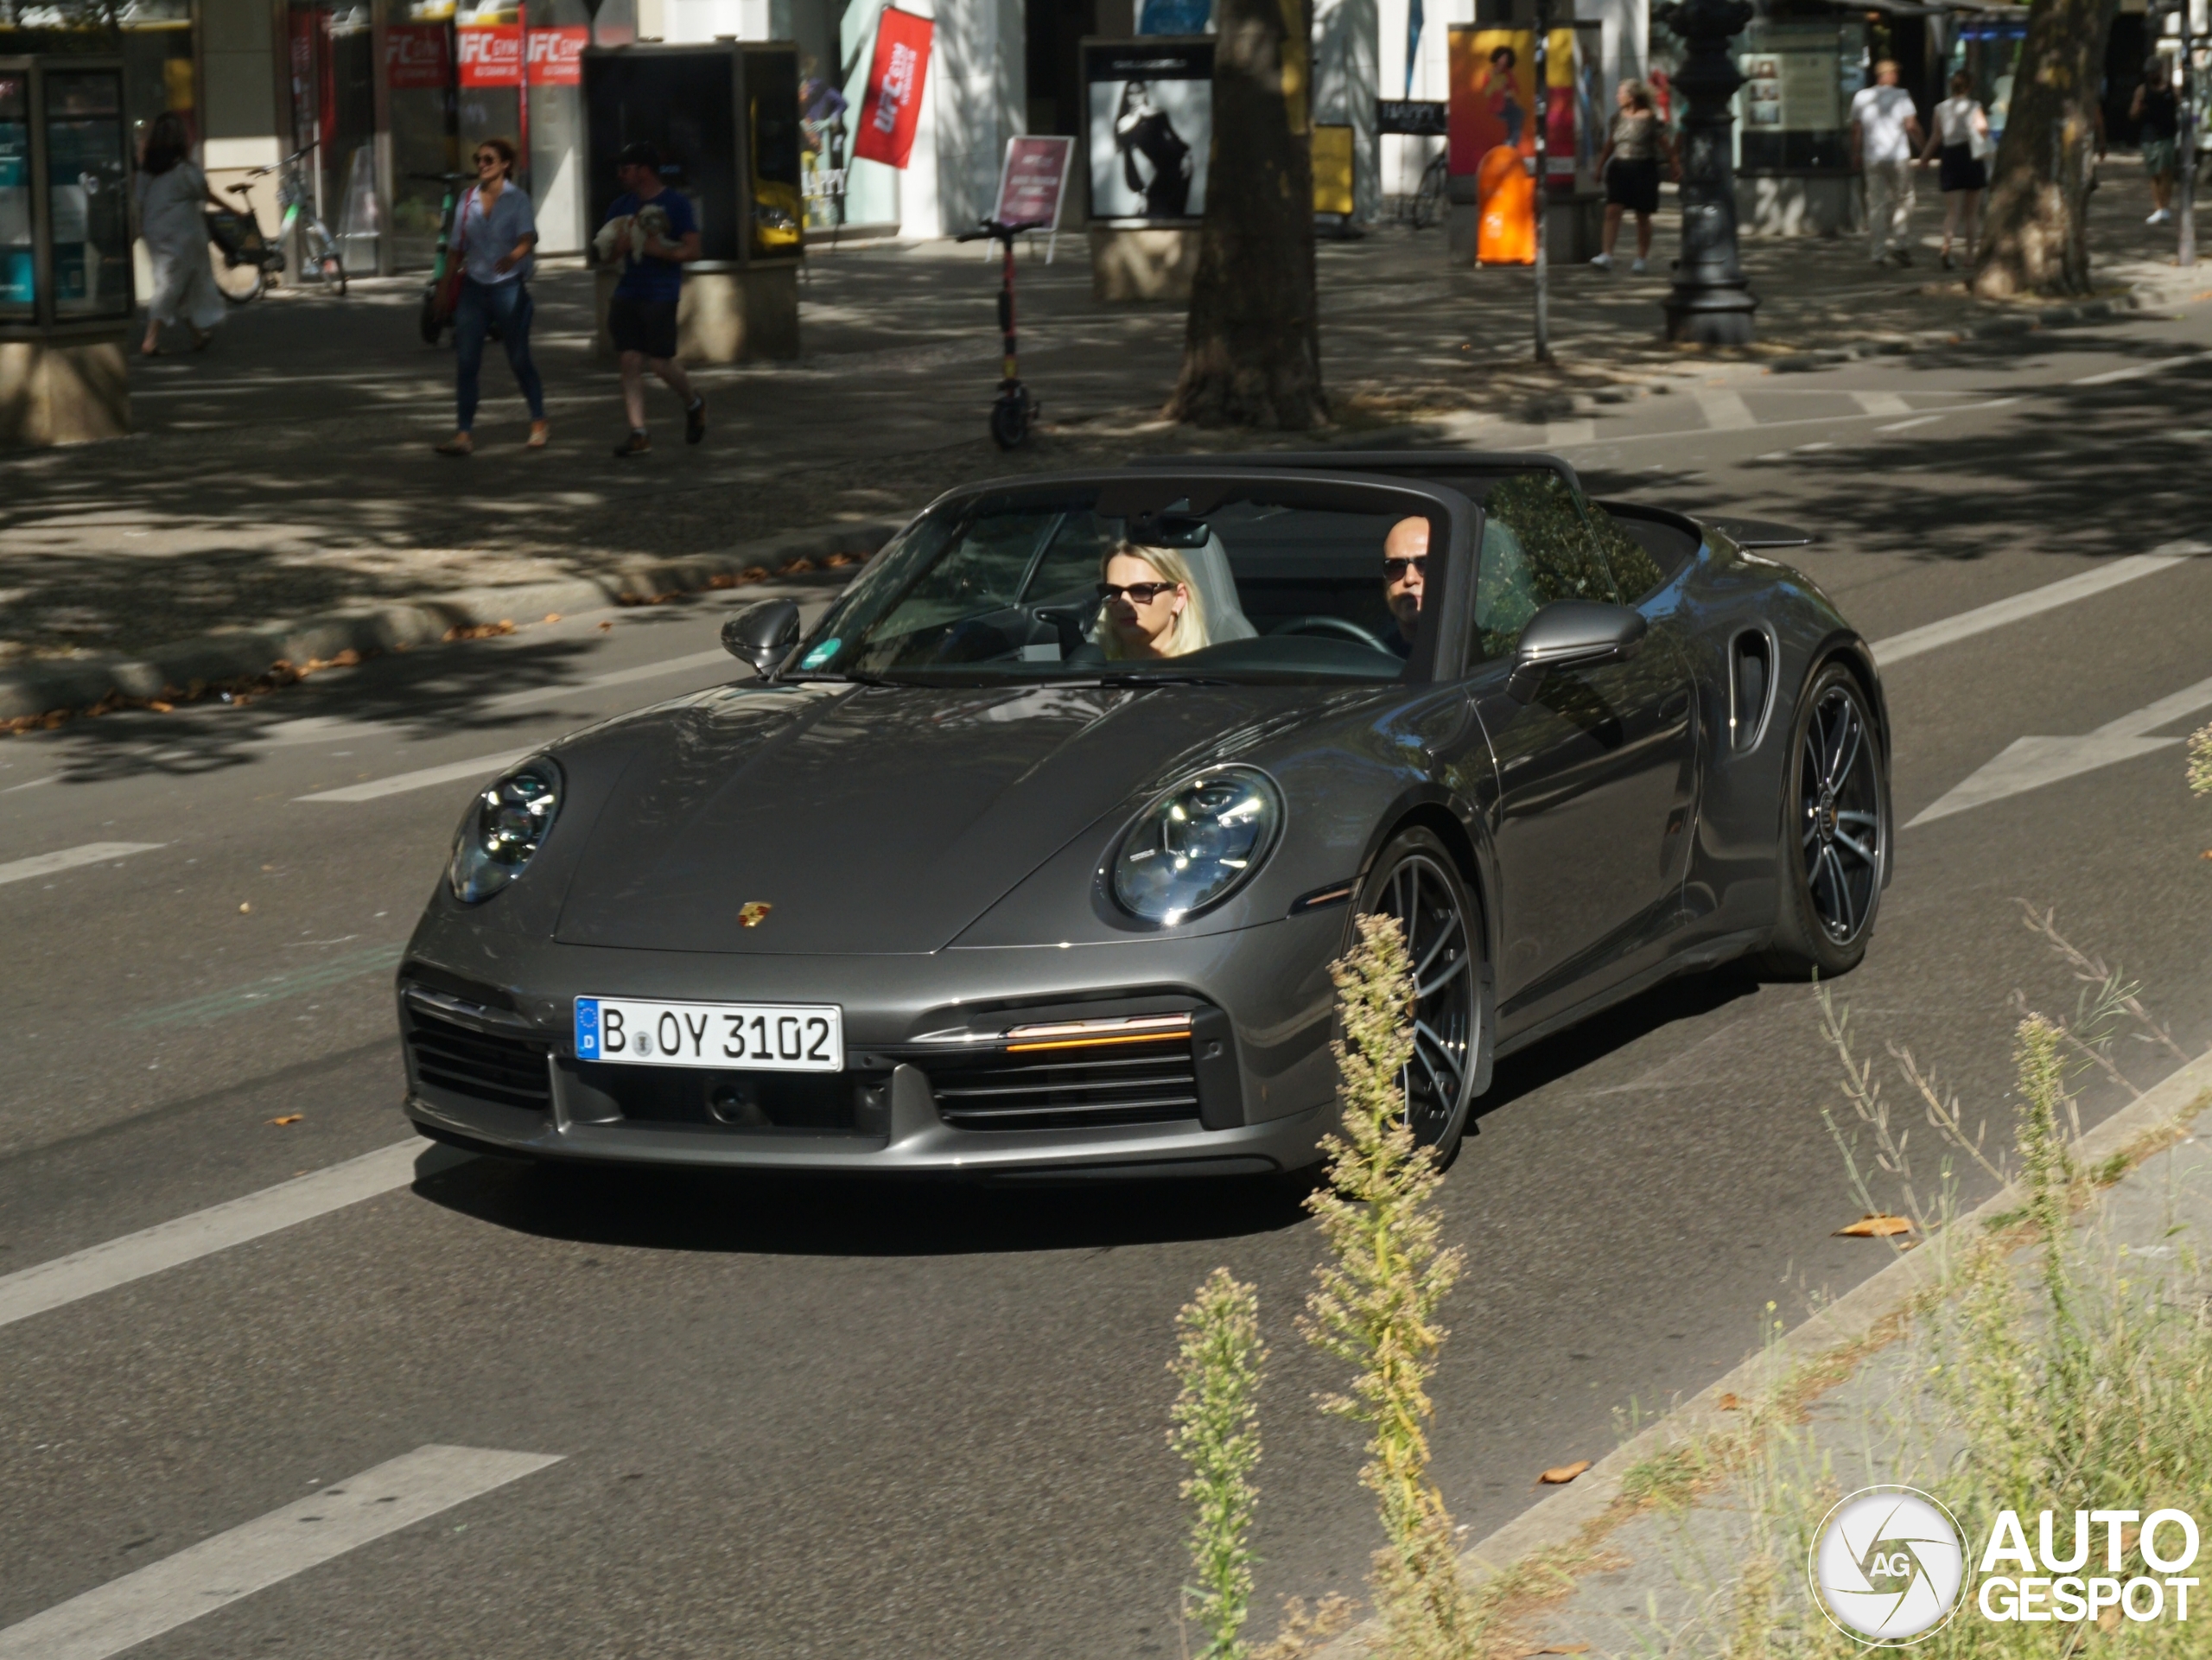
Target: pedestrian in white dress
{"x": 171, "y": 191}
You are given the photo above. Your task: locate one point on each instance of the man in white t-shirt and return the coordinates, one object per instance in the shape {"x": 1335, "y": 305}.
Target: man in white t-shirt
{"x": 1884, "y": 137}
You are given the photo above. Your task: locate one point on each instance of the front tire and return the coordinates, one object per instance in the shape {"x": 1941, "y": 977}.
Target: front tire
{"x": 1835, "y": 834}
{"x": 1010, "y": 419}
{"x": 1416, "y": 880}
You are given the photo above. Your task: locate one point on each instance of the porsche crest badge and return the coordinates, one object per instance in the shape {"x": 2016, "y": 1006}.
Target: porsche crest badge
{"x": 753, "y": 913}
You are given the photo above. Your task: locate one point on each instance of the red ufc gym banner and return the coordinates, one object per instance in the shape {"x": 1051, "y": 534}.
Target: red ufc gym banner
{"x": 893, "y": 107}
{"x": 491, "y": 56}
{"x": 557, "y": 55}
{"x": 415, "y": 59}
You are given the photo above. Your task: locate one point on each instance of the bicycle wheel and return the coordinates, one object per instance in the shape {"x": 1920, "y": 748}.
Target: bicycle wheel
{"x": 321, "y": 257}
{"x": 240, "y": 284}
{"x": 1429, "y": 206}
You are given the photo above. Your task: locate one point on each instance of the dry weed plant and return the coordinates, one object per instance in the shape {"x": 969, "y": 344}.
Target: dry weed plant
{"x": 1376, "y": 1301}
{"x": 1220, "y": 1361}
{"x": 2079, "y": 1379}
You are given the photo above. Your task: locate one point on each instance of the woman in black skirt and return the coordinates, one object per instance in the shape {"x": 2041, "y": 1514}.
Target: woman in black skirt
{"x": 1629, "y": 167}
{"x": 1962, "y": 130}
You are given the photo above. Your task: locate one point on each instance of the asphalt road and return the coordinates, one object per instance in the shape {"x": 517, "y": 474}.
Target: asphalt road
{"x": 825, "y": 1418}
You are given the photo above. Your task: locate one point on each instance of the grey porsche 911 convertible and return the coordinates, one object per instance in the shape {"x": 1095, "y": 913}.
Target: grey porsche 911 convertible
{"x": 1029, "y": 859}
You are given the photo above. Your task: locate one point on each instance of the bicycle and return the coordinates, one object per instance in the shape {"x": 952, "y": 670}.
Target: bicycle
{"x": 1430, "y": 202}
{"x": 238, "y": 237}
{"x": 432, "y": 322}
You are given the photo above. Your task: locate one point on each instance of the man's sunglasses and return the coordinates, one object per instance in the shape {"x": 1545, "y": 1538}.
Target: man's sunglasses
{"x": 1139, "y": 593}
{"x": 1395, "y": 570}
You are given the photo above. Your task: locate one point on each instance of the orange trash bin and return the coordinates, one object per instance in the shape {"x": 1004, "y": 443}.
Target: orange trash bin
{"x": 1505, "y": 196}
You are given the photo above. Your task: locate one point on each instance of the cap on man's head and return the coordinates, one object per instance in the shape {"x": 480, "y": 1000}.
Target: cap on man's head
{"x": 639, "y": 154}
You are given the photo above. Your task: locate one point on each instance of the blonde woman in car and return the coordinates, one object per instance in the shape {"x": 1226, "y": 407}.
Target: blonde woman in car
{"x": 1151, "y": 606}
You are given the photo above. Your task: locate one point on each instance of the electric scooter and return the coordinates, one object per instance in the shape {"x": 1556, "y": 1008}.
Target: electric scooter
{"x": 430, "y": 323}
{"x": 1015, "y": 412}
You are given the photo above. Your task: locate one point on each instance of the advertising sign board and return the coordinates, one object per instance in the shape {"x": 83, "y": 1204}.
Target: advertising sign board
{"x": 490, "y": 57}
{"x": 1033, "y": 183}
{"x": 1150, "y": 114}
{"x": 415, "y": 57}
{"x": 557, "y": 55}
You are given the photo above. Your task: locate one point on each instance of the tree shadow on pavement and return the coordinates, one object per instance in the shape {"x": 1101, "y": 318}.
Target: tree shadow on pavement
{"x": 2100, "y": 471}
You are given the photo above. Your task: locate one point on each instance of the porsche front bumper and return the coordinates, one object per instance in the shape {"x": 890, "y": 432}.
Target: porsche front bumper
{"x": 932, "y": 1082}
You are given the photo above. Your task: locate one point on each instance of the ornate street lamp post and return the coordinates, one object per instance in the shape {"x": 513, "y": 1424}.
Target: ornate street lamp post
{"x": 1711, "y": 302}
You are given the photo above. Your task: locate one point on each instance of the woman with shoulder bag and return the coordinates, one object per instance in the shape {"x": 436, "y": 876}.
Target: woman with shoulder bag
{"x": 172, "y": 195}
{"x": 494, "y": 232}
{"x": 1962, "y": 141}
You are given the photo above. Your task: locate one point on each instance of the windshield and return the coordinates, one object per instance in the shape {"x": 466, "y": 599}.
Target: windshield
{"x": 1271, "y": 583}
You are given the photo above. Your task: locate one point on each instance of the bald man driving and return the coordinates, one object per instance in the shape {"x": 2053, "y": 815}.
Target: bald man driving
{"x": 1405, "y": 564}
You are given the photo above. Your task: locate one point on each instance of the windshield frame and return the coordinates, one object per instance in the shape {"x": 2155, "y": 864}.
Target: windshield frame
{"x": 1436, "y": 654}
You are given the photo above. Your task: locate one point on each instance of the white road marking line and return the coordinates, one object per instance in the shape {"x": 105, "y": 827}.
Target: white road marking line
{"x": 2134, "y": 371}
{"x": 1680, "y": 433}
{"x": 1882, "y": 402}
{"x": 169, "y": 1245}
{"x": 1903, "y": 426}
{"x": 1557, "y": 433}
{"x": 92, "y": 853}
{"x": 2036, "y": 600}
{"x": 49, "y": 778}
{"x": 537, "y": 694}
{"x": 399, "y": 784}
{"x": 1725, "y": 411}
{"x": 2030, "y": 763}
{"x": 217, "y": 1572}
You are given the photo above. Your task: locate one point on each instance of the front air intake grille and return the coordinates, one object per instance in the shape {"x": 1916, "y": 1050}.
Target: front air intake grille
{"x": 507, "y": 1071}
{"x": 1069, "y": 1085}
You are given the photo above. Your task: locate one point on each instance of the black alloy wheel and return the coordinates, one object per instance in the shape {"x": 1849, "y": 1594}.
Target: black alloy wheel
{"x": 1417, "y": 882}
{"x": 1835, "y": 830}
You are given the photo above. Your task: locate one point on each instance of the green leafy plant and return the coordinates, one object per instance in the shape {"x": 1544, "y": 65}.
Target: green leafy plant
{"x": 1376, "y": 1303}
{"x": 1220, "y": 1360}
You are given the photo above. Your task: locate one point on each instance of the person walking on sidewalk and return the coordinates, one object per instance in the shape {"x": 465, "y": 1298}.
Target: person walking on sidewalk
{"x": 495, "y": 231}
{"x": 2160, "y": 111}
{"x": 655, "y": 233}
{"x": 1959, "y": 141}
{"x": 1885, "y": 133}
{"x": 171, "y": 191}
{"x": 1629, "y": 167}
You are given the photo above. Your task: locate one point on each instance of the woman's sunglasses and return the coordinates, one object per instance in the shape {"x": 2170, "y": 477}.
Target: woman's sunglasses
{"x": 1139, "y": 593}
{"x": 1394, "y": 570}
{"x": 488, "y": 159}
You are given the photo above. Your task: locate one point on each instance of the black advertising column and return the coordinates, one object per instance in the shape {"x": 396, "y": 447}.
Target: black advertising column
{"x": 1711, "y": 302}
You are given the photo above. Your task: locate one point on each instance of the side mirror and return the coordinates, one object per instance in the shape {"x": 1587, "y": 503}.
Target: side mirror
{"x": 762, "y": 635}
{"x": 1573, "y": 634}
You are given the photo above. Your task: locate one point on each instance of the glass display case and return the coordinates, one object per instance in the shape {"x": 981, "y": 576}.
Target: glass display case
{"x": 65, "y": 193}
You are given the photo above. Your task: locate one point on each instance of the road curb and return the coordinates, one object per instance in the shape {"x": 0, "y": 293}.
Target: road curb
{"x": 70, "y": 684}
{"x": 1564, "y": 1519}
{"x": 2065, "y": 316}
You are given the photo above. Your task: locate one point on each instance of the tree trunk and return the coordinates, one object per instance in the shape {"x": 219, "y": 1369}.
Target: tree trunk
{"x": 1252, "y": 352}
{"x": 2036, "y": 222}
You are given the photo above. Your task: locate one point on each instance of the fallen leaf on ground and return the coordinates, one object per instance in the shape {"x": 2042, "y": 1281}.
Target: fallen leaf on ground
{"x": 246, "y": 908}
{"x": 1873, "y": 1225}
{"x": 1563, "y": 1648}
{"x": 604, "y": 627}
{"x": 552, "y": 616}
{"x": 1562, "y": 1473}
{"x": 1728, "y": 1403}
{"x": 289, "y": 1119}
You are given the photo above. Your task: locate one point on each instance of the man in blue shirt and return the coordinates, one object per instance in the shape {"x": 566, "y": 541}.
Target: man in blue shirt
{"x": 657, "y": 236}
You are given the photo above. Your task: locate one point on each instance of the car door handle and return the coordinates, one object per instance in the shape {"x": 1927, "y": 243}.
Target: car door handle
{"x": 1676, "y": 706}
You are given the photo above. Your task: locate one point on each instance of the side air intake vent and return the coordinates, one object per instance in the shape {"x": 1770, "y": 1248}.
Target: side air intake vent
{"x": 1751, "y": 678}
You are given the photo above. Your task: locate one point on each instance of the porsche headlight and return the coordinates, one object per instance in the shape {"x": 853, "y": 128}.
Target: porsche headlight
{"x": 1197, "y": 844}
{"x": 505, "y": 826}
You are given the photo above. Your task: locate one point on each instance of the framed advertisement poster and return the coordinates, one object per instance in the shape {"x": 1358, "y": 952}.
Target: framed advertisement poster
{"x": 1150, "y": 109}
{"x": 1034, "y": 185}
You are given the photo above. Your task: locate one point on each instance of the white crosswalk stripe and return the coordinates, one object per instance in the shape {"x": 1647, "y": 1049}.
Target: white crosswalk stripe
{"x": 92, "y": 853}
{"x": 1725, "y": 411}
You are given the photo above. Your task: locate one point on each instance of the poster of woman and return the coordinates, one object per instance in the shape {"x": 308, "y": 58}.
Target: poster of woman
{"x": 1151, "y": 109}
{"x": 1493, "y": 93}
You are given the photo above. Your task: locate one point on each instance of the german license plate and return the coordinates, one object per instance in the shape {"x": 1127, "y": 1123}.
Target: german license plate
{"x": 759, "y": 1037}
